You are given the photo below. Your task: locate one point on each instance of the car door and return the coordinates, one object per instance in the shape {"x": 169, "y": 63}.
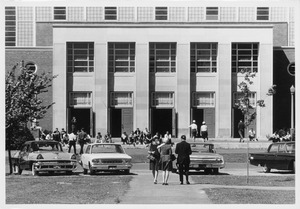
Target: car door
{"x": 282, "y": 159}
{"x": 271, "y": 155}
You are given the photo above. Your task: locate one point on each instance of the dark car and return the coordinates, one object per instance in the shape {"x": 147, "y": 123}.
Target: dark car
{"x": 43, "y": 156}
{"x": 280, "y": 156}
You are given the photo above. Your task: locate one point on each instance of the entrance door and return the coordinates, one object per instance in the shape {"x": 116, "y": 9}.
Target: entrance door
{"x": 83, "y": 118}
{"x": 237, "y": 116}
{"x": 162, "y": 120}
{"x": 121, "y": 121}
{"x": 198, "y": 116}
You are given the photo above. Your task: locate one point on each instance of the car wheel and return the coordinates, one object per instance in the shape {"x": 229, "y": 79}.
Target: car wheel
{"x": 34, "y": 171}
{"x": 266, "y": 169}
{"x": 17, "y": 169}
{"x": 127, "y": 171}
{"x": 216, "y": 170}
{"x": 92, "y": 172}
{"x": 294, "y": 167}
{"x": 51, "y": 172}
{"x": 85, "y": 171}
{"x": 207, "y": 171}
{"x": 69, "y": 172}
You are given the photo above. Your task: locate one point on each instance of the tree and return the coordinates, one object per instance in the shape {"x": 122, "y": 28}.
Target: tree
{"x": 22, "y": 101}
{"x": 243, "y": 104}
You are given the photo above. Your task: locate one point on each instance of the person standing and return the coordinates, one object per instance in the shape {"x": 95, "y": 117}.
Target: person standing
{"x": 194, "y": 129}
{"x": 72, "y": 142}
{"x": 165, "y": 160}
{"x": 204, "y": 131}
{"x": 56, "y": 135}
{"x": 183, "y": 150}
{"x": 107, "y": 137}
{"x": 81, "y": 139}
{"x": 241, "y": 128}
{"x": 154, "y": 164}
{"x": 74, "y": 125}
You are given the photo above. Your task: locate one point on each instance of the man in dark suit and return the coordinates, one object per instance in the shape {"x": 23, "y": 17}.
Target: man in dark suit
{"x": 183, "y": 149}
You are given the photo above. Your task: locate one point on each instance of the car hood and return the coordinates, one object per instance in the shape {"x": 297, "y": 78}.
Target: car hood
{"x": 205, "y": 156}
{"x": 107, "y": 156}
{"x": 53, "y": 155}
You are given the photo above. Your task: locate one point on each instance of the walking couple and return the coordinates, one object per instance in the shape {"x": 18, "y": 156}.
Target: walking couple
{"x": 162, "y": 159}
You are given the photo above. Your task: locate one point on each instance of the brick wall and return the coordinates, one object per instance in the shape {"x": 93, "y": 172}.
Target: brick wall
{"x": 43, "y": 59}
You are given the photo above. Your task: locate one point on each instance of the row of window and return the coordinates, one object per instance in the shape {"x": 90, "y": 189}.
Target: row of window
{"x": 158, "y": 99}
{"x": 162, "y": 57}
{"x": 161, "y": 13}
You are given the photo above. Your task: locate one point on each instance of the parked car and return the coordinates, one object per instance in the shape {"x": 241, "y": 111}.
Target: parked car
{"x": 280, "y": 156}
{"x": 204, "y": 157}
{"x": 43, "y": 156}
{"x": 105, "y": 157}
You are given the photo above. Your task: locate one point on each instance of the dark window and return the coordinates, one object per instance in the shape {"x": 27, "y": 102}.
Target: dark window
{"x": 10, "y": 26}
{"x": 162, "y": 57}
{"x": 212, "y": 13}
{"x": 262, "y": 13}
{"x": 80, "y": 57}
{"x": 204, "y": 57}
{"x": 161, "y": 13}
{"x": 60, "y": 13}
{"x": 244, "y": 57}
{"x": 110, "y": 13}
{"x": 121, "y": 57}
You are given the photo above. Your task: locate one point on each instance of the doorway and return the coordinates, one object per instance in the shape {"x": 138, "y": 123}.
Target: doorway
{"x": 237, "y": 116}
{"x": 83, "y": 119}
{"x": 121, "y": 121}
{"x": 207, "y": 115}
{"x": 162, "y": 121}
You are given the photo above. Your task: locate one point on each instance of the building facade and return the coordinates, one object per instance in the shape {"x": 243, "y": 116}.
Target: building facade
{"x": 123, "y": 65}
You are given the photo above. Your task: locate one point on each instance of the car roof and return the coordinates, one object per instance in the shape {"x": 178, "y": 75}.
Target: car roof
{"x": 201, "y": 143}
{"x": 42, "y": 142}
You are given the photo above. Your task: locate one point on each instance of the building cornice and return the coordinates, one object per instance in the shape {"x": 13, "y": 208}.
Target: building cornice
{"x": 158, "y": 25}
{"x": 29, "y": 48}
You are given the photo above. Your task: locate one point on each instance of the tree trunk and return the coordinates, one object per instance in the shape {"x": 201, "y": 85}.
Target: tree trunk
{"x": 9, "y": 157}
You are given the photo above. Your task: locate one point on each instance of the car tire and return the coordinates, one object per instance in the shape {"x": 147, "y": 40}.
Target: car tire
{"x": 266, "y": 169}
{"x": 34, "y": 171}
{"x": 85, "y": 171}
{"x": 17, "y": 169}
{"x": 216, "y": 171}
{"x": 127, "y": 171}
{"x": 207, "y": 171}
{"x": 69, "y": 172}
{"x": 91, "y": 171}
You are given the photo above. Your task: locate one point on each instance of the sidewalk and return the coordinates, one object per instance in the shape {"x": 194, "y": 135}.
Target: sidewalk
{"x": 143, "y": 191}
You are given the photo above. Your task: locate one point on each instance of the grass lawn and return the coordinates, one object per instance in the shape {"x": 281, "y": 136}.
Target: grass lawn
{"x": 281, "y": 181}
{"x": 250, "y": 196}
{"x": 101, "y": 189}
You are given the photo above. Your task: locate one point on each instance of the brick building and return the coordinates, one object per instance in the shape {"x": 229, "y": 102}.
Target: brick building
{"x": 159, "y": 64}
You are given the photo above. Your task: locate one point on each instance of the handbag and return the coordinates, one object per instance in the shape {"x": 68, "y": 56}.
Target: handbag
{"x": 151, "y": 157}
{"x": 173, "y": 157}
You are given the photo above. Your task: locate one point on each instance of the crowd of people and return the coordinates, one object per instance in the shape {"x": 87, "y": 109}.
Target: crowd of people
{"x": 280, "y": 136}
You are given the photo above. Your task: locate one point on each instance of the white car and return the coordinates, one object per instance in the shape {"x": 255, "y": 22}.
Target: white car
{"x": 105, "y": 157}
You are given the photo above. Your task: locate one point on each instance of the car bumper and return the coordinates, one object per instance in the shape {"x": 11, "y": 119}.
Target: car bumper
{"x": 111, "y": 167}
{"x": 203, "y": 166}
{"x": 49, "y": 166}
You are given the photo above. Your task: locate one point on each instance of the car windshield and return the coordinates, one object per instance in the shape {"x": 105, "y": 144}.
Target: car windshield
{"x": 106, "y": 148}
{"x": 202, "y": 148}
{"x": 46, "y": 147}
